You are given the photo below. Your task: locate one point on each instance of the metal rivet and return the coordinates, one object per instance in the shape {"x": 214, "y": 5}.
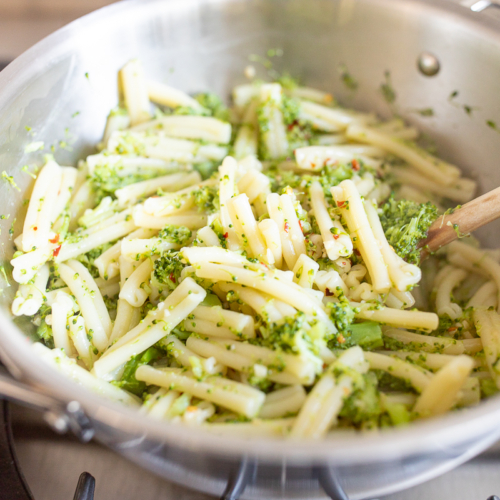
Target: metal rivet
{"x": 428, "y": 64}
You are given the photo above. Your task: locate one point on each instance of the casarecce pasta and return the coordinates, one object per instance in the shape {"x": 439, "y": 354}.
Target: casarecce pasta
{"x": 256, "y": 269}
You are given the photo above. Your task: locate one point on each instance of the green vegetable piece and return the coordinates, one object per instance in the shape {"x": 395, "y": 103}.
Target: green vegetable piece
{"x": 128, "y": 380}
{"x": 175, "y": 234}
{"x": 211, "y": 300}
{"x": 367, "y": 335}
{"x": 398, "y": 413}
{"x": 167, "y": 269}
{"x": 405, "y": 223}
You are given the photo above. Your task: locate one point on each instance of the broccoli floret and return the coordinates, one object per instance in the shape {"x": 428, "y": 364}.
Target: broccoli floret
{"x": 280, "y": 179}
{"x": 342, "y": 316}
{"x": 206, "y": 199}
{"x": 405, "y": 223}
{"x": 290, "y": 108}
{"x": 44, "y": 332}
{"x": 284, "y": 336}
{"x": 175, "y": 234}
{"x": 218, "y": 229}
{"x": 107, "y": 178}
{"x": 364, "y": 403}
{"x": 167, "y": 269}
{"x": 332, "y": 175}
{"x": 88, "y": 259}
{"x": 128, "y": 380}
{"x": 367, "y": 334}
{"x": 207, "y": 168}
{"x": 214, "y": 105}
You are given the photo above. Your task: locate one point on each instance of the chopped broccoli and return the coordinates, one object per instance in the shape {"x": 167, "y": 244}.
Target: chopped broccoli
{"x": 488, "y": 388}
{"x": 167, "y": 269}
{"x": 128, "y": 380}
{"x": 211, "y": 300}
{"x": 107, "y": 177}
{"x": 398, "y": 413}
{"x": 332, "y": 175}
{"x": 364, "y": 403}
{"x": 368, "y": 335}
{"x": 214, "y": 105}
{"x": 290, "y": 108}
{"x": 405, "y": 223}
{"x": 342, "y": 316}
{"x": 88, "y": 259}
{"x": 175, "y": 234}
{"x": 218, "y": 229}
{"x": 280, "y": 179}
{"x": 284, "y": 336}
{"x": 44, "y": 332}
{"x": 206, "y": 199}
{"x": 207, "y": 168}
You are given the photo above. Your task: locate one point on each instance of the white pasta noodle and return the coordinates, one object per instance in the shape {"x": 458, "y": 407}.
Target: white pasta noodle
{"x": 135, "y": 290}
{"x": 62, "y": 308}
{"x": 487, "y": 324}
{"x": 347, "y": 198}
{"x": 202, "y": 128}
{"x": 90, "y": 301}
{"x": 283, "y": 402}
{"x": 304, "y": 271}
{"x": 336, "y": 241}
{"x": 70, "y": 368}
{"x": 41, "y": 208}
{"x": 246, "y": 141}
{"x": 428, "y": 165}
{"x": 135, "y": 91}
{"x": 402, "y": 274}
{"x": 170, "y": 96}
{"x": 274, "y": 137}
{"x": 443, "y": 391}
{"x": 172, "y": 182}
{"x": 444, "y": 292}
{"x": 29, "y": 298}
{"x": 222, "y": 391}
{"x": 316, "y": 157}
{"x": 175, "y": 308}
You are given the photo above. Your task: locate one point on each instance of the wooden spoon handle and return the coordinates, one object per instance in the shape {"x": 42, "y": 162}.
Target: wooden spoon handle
{"x": 464, "y": 220}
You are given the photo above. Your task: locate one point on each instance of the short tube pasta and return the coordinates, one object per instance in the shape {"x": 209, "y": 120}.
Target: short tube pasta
{"x": 227, "y": 393}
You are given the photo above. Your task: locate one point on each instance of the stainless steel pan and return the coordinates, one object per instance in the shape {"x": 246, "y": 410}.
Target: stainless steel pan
{"x": 198, "y": 45}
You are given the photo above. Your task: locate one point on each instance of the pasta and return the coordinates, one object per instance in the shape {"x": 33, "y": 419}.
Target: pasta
{"x": 256, "y": 271}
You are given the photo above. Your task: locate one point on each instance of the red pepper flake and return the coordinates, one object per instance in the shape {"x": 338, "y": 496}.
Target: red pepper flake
{"x": 55, "y": 239}
{"x": 300, "y": 224}
{"x": 328, "y": 293}
{"x": 35, "y": 228}
{"x": 340, "y": 338}
{"x": 226, "y": 235}
{"x": 56, "y": 251}
{"x": 292, "y": 125}
{"x": 355, "y": 165}
{"x": 336, "y": 236}
{"x": 287, "y": 227}
{"x": 171, "y": 277}
{"x": 340, "y": 204}
{"x": 452, "y": 329}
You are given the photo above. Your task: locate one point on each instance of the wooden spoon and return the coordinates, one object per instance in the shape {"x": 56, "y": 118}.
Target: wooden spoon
{"x": 462, "y": 221}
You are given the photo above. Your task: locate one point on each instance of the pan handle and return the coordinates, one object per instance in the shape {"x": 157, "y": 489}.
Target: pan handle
{"x": 479, "y": 5}
{"x": 59, "y": 416}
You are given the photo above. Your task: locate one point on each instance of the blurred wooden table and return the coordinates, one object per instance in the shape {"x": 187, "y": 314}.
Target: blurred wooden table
{"x": 25, "y": 22}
